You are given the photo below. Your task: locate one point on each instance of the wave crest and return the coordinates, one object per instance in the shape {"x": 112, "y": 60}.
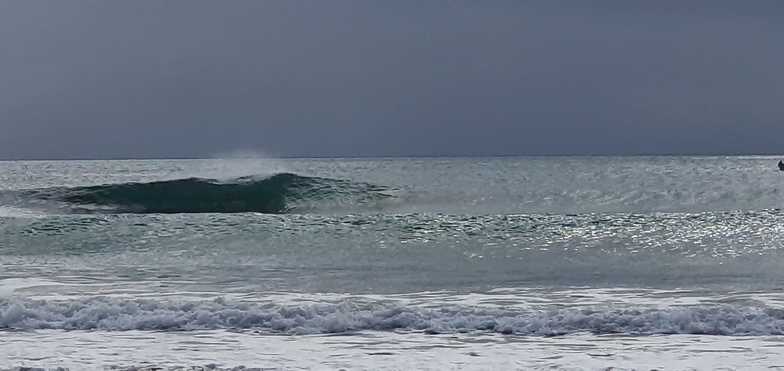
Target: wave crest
{"x": 280, "y": 193}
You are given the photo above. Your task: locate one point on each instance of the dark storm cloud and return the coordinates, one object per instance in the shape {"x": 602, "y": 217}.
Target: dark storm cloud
{"x": 356, "y": 78}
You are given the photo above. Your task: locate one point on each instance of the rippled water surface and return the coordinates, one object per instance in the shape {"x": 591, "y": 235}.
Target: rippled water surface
{"x": 509, "y": 263}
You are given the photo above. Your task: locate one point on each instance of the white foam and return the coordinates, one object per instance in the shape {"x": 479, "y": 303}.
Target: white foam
{"x": 347, "y": 316}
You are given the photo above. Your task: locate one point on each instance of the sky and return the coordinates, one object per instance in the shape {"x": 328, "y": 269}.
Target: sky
{"x": 191, "y": 78}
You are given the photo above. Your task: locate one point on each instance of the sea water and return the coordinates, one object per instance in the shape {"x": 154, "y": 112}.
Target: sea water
{"x": 476, "y": 263}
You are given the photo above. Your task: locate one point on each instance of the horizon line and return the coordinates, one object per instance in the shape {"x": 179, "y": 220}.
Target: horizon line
{"x": 379, "y": 157}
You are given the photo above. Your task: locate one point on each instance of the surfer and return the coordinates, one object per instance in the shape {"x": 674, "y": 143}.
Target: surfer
{"x": 781, "y": 165}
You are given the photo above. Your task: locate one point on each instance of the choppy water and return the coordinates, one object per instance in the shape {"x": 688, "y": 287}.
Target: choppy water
{"x": 509, "y": 263}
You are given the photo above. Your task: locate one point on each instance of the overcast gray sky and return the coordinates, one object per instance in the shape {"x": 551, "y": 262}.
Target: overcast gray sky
{"x": 131, "y": 79}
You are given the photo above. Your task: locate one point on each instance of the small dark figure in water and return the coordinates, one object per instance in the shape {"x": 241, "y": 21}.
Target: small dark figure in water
{"x": 781, "y": 165}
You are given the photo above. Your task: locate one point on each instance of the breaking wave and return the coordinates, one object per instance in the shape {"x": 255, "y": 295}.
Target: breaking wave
{"x": 348, "y": 316}
{"x": 280, "y": 193}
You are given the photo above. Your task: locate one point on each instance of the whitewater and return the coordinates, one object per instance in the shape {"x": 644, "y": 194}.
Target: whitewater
{"x": 575, "y": 263}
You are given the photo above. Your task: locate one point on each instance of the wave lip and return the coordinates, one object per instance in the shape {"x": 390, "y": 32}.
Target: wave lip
{"x": 348, "y": 316}
{"x": 279, "y": 193}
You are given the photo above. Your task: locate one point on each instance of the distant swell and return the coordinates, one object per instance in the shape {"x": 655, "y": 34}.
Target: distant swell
{"x": 347, "y": 316}
{"x": 275, "y": 194}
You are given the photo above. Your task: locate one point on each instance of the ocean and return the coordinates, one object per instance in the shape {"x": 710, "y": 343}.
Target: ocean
{"x": 525, "y": 263}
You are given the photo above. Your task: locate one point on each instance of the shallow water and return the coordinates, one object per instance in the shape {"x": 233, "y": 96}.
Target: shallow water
{"x": 507, "y": 263}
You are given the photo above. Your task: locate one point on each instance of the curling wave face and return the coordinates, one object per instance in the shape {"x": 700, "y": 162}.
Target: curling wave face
{"x": 276, "y": 194}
